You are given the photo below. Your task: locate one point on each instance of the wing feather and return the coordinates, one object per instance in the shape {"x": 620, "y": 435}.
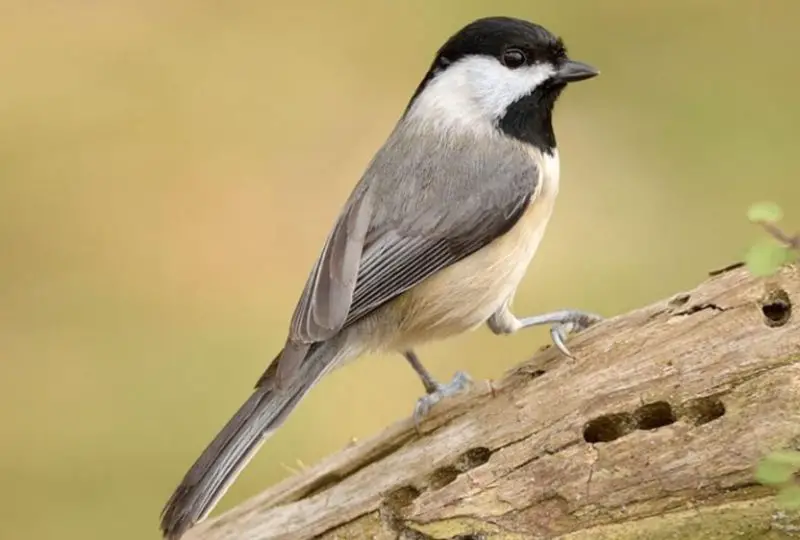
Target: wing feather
{"x": 325, "y": 302}
{"x": 396, "y": 263}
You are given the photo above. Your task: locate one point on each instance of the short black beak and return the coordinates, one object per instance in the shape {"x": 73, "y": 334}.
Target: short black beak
{"x": 573, "y": 71}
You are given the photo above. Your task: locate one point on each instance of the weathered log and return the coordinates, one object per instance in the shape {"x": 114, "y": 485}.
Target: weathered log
{"x": 652, "y": 431}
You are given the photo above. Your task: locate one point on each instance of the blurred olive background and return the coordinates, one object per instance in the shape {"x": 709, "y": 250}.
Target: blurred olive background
{"x": 169, "y": 171}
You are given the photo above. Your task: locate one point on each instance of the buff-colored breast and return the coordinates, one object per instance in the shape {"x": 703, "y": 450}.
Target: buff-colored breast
{"x": 464, "y": 295}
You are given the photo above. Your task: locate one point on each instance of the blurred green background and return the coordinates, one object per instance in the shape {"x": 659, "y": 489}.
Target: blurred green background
{"x": 169, "y": 170}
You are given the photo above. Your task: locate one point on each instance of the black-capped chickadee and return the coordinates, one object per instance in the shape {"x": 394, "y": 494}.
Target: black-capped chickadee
{"x": 432, "y": 242}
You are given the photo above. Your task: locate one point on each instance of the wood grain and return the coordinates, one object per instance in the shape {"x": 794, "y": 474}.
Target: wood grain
{"x": 653, "y": 429}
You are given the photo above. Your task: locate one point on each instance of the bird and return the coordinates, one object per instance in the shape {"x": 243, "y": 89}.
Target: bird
{"x": 432, "y": 242}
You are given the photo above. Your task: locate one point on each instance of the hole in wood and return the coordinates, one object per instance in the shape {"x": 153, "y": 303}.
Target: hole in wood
{"x": 609, "y": 427}
{"x": 401, "y": 498}
{"x": 443, "y": 476}
{"x": 704, "y": 410}
{"x": 777, "y": 308}
{"x": 654, "y": 415}
{"x": 406, "y": 533}
{"x": 474, "y": 457}
{"x": 536, "y": 373}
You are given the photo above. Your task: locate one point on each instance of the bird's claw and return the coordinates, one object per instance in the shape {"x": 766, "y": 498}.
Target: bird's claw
{"x": 575, "y": 322}
{"x": 459, "y": 383}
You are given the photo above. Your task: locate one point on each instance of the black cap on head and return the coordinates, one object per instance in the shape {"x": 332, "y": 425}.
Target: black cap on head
{"x": 492, "y": 36}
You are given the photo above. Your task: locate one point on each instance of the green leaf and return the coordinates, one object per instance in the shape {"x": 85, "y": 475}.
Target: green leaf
{"x": 771, "y": 473}
{"x": 766, "y": 257}
{"x": 778, "y": 467}
{"x": 789, "y": 497}
{"x": 765, "y": 211}
{"x": 787, "y": 457}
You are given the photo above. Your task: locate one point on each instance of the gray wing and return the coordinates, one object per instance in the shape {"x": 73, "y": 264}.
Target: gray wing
{"x": 326, "y": 298}
{"x": 418, "y": 209}
{"x": 399, "y": 259}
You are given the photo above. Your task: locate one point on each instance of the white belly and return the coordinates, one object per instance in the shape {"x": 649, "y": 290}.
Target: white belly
{"x": 463, "y": 296}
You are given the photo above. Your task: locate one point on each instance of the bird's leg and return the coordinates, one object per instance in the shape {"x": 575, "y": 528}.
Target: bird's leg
{"x": 434, "y": 392}
{"x": 561, "y": 323}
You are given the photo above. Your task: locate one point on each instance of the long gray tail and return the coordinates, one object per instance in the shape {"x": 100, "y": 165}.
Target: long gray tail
{"x": 233, "y": 447}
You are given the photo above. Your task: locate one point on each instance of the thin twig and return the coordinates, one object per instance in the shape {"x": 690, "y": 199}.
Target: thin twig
{"x": 792, "y": 242}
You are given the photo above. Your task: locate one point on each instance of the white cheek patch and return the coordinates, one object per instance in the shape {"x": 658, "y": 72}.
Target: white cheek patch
{"x": 496, "y": 86}
{"x": 477, "y": 90}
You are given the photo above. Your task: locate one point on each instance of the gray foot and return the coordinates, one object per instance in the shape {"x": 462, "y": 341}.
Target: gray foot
{"x": 434, "y": 392}
{"x": 459, "y": 383}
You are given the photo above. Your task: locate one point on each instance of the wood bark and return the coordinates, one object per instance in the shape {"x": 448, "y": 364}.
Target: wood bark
{"x": 651, "y": 431}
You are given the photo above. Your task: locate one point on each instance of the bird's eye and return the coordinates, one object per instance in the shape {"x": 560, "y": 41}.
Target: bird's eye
{"x": 513, "y": 58}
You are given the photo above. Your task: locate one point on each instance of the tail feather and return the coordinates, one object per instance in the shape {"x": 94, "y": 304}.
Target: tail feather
{"x": 238, "y": 441}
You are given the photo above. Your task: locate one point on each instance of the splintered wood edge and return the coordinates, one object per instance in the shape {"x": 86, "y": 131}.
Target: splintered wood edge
{"x": 663, "y": 408}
